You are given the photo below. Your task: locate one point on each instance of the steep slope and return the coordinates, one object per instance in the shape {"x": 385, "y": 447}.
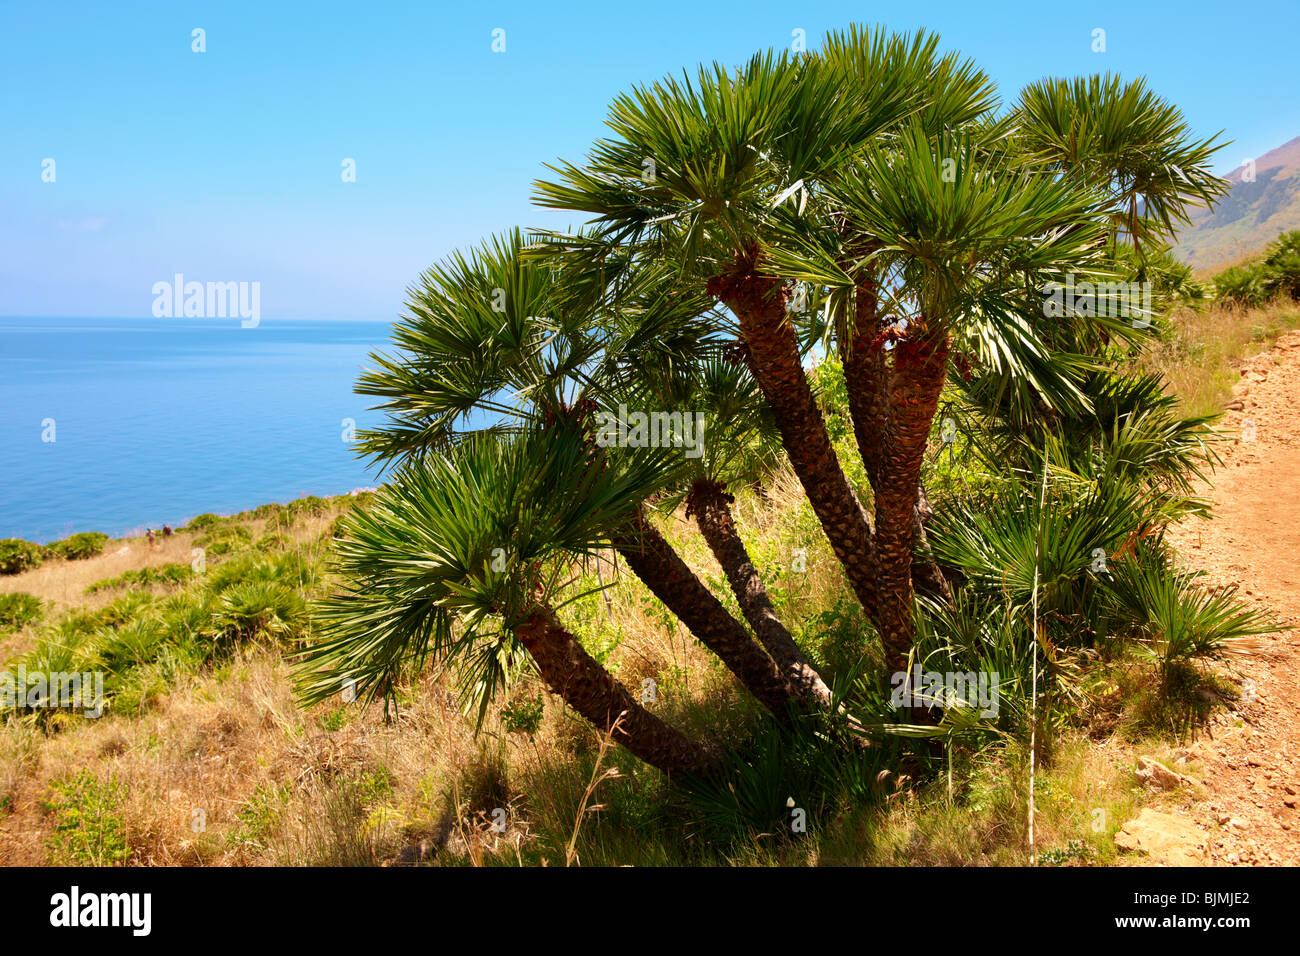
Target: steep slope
{"x": 1251, "y": 215}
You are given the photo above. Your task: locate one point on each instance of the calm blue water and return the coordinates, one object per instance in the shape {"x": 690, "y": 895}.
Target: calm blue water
{"x": 158, "y": 420}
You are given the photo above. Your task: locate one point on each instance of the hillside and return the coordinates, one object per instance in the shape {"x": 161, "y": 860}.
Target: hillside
{"x": 204, "y": 755}
{"x": 1251, "y": 215}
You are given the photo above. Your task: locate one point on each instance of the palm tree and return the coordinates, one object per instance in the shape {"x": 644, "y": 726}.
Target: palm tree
{"x": 878, "y": 174}
{"x": 722, "y": 149}
{"x": 1124, "y": 139}
{"x": 462, "y": 558}
{"x": 497, "y": 341}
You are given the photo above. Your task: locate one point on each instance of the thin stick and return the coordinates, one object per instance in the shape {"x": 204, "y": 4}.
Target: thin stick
{"x": 571, "y": 850}
{"x": 1033, "y": 705}
{"x": 604, "y": 592}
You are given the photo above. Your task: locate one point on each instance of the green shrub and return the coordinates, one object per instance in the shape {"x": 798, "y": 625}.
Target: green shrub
{"x": 189, "y": 615}
{"x": 87, "y": 544}
{"x": 259, "y": 817}
{"x": 18, "y": 610}
{"x": 125, "y": 609}
{"x": 523, "y": 716}
{"x": 1171, "y": 280}
{"x": 1282, "y": 266}
{"x": 225, "y": 539}
{"x": 1240, "y": 286}
{"x": 1178, "y": 619}
{"x": 145, "y": 577}
{"x": 361, "y": 499}
{"x": 203, "y": 522}
{"x": 309, "y": 505}
{"x": 87, "y": 828}
{"x": 17, "y": 555}
{"x": 256, "y": 608}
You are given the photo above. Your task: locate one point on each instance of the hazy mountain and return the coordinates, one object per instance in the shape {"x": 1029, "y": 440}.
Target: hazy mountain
{"x": 1251, "y": 215}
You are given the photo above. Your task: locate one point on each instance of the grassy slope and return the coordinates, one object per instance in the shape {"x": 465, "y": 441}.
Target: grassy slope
{"x": 274, "y": 784}
{"x": 217, "y": 765}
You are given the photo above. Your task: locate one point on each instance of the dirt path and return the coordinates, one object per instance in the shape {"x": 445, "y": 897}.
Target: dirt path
{"x": 1248, "y": 757}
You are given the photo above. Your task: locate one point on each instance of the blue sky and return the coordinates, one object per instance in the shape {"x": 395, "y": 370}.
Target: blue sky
{"x": 225, "y": 165}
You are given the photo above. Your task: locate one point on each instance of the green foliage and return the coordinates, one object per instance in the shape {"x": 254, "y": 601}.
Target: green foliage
{"x": 145, "y": 642}
{"x": 87, "y": 544}
{"x": 1172, "y": 282}
{"x": 1241, "y": 286}
{"x": 308, "y": 505}
{"x": 1282, "y": 266}
{"x": 19, "y": 610}
{"x": 261, "y": 609}
{"x": 87, "y": 826}
{"x": 166, "y": 574}
{"x": 489, "y": 521}
{"x": 774, "y": 766}
{"x": 225, "y": 538}
{"x": 204, "y": 522}
{"x": 1092, "y": 551}
{"x": 1177, "y": 619}
{"x": 259, "y": 817}
{"x": 17, "y": 555}
{"x": 335, "y": 719}
{"x": 523, "y": 716}
{"x": 1076, "y": 851}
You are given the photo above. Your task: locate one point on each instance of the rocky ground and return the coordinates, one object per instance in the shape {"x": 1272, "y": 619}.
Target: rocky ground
{"x": 1230, "y": 796}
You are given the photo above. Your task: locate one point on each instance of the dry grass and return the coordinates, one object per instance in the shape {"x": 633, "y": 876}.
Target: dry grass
{"x": 227, "y": 769}
{"x": 1200, "y": 360}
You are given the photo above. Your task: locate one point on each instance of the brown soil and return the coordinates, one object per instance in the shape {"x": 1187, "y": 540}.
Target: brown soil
{"x": 1246, "y": 802}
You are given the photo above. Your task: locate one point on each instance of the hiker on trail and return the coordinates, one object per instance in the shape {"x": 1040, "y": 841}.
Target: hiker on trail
{"x": 149, "y": 533}
{"x": 167, "y": 531}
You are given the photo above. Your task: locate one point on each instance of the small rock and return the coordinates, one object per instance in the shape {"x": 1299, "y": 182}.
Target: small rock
{"x": 1156, "y": 775}
{"x": 1162, "y": 836}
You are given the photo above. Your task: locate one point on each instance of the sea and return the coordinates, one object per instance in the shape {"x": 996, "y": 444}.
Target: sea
{"x": 118, "y": 425}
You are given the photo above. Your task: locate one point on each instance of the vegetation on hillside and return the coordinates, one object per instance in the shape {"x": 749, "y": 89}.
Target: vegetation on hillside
{"x": 906, "y": 461}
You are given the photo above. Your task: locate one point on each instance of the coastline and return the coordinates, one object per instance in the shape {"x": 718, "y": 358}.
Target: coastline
{"x": 141, "y": 530}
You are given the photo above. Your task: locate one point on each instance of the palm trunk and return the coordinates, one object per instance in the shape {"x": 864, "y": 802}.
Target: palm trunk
{"x": 918, "y": 375}
{"x": 594, "y": 693}
{"x": 653, "y": 560}
{"x": 868, "y": 378}
{"x": 759, "y": 301}
{"x": 710, "y": 504}
{"x": 927, "y": 576}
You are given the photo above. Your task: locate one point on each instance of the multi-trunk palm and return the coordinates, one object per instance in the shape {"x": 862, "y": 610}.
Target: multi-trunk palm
{"x": 880, "y": 175}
